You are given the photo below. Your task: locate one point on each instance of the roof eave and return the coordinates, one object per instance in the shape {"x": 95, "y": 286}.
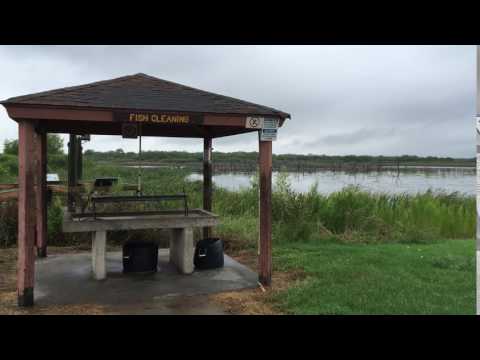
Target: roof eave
{"x": 8, "y": 102}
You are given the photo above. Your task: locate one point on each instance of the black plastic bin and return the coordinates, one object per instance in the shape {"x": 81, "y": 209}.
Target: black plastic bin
{"x": 140, "y": 257}
{"x": 208, "y": 254}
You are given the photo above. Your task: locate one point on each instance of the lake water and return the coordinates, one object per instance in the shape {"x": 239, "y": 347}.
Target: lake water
{"x": 462, "y": 180}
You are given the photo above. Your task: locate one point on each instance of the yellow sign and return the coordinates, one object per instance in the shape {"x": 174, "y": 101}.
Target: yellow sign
{"x": 159, "y": 118}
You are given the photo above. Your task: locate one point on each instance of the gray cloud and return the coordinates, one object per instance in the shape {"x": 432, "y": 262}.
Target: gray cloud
{"x": 343, "y": 99}
{"x": 355, "y": 137}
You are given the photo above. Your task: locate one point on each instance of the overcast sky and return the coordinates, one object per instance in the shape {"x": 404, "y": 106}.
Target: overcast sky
{"x": 375, "y": 100}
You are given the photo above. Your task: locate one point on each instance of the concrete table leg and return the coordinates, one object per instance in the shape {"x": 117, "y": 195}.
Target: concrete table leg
{"x": 181, "y": 250}
{"x": 99, "y": 240}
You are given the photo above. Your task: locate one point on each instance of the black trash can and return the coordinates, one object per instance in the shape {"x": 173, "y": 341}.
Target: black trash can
{"x": 140, "y": 257}
{"x": 208, "y": 254}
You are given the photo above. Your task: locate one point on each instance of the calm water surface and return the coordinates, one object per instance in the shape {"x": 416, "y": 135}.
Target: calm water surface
{"x": 462, "y": 180}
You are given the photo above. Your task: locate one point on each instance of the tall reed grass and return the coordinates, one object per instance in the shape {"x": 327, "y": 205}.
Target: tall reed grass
{"x": 349, "y": 215}
{"x": 354, "y": 215}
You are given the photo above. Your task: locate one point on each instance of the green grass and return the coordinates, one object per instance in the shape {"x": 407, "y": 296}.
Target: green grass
{"x": 363, "y": 253}
{"x": 437, "y": 278}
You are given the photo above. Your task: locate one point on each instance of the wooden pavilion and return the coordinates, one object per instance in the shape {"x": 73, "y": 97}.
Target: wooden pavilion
{"x": 103, "y": 108}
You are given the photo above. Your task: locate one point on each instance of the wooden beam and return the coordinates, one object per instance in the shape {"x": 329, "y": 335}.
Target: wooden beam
{"x": 114, "y": 128}
{"x": 207, "y": 180}
{"x": 13, "y": 192}
{"x": 26, "y": 213}
{"x": 19, "y": 112}
{"x": 28, "y": 112}
{"x": 41, "y": 193}
{"x": 265, "y": 210}
{"x": 8, "y": 195}
{"x": 8, "y": 186}
{"x": 80, "y": 115}
{"x": 225, "y": 120}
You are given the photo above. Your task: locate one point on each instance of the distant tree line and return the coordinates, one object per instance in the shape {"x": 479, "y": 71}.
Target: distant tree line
{"x": 182, "y": 157}
{"x": 239, "y": 159}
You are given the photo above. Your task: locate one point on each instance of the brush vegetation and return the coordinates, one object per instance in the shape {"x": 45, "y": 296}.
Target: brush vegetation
{"x": 350, "y": 215}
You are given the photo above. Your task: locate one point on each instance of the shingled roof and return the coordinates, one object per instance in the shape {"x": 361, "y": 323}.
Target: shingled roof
{"x": 144, "y": 92}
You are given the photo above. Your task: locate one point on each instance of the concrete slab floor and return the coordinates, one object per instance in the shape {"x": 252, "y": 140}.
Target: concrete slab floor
{"x": 66, "y": 279}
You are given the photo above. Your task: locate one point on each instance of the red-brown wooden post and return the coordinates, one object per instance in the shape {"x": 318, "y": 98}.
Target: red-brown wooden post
{"x": 26, "y": 213}
{"x": 265, "y": 210}
{"x": 41, "y": 193}
{"x": 207, "y": 180}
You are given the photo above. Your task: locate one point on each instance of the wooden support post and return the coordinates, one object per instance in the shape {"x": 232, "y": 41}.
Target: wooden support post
{"x": 265, "y": 210}
{"x": 207, "y": 181}
{"x": 72, "y": 172}
{"x": 26, "y": 213}
{"x": 41, "y": 193}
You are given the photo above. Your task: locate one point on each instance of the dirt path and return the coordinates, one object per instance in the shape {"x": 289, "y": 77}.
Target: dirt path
{"x": 255, "y": 301}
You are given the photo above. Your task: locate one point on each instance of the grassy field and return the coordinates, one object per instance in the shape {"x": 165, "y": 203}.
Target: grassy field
{"x": 361, "y": 253}
{"x": 437, "y": 278}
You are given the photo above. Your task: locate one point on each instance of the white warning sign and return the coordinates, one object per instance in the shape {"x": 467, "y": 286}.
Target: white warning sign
{"x": 268, "y": 127}
{"x": 268, "y": 134}
{"x": 270, "y": 124}
{"x": 254, "y": 122}
{"x": 258, "y": 122}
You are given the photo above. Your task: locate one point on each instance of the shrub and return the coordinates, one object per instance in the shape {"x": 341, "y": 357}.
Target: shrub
{"x": 8, "y": 223}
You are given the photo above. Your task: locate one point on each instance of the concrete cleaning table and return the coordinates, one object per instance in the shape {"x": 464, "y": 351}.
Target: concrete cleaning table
{"x": 181, "y": 226}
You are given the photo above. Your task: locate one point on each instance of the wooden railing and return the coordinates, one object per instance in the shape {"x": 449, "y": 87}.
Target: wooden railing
{"x": 10, "y": 191}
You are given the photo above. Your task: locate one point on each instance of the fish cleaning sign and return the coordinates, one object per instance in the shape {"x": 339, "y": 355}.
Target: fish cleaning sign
{"x": 157, "y": 118}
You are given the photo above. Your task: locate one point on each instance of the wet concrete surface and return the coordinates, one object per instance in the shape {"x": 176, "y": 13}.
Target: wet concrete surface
{"x": 67, "y": 279}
